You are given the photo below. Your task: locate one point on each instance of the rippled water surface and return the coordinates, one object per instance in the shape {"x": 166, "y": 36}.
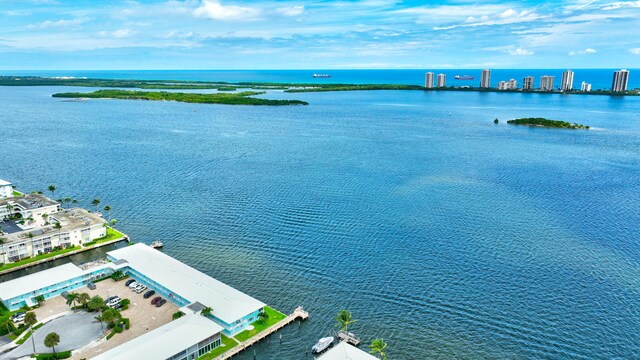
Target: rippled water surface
{"x": 447, "y": 235}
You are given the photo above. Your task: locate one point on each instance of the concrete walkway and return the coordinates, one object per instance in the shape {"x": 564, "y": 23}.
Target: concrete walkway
{"x": 75, "y": 330}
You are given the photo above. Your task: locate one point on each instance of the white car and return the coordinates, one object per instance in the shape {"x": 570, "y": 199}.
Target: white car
{"x": 138, "y": 287}
{"x": 113, "y": 301}
{"x": 19, "y": 317}
{"x": 140, "y": 290}
{"x": 133, "y": 284}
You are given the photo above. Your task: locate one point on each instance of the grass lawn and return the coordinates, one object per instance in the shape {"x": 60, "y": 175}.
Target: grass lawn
{"x": 16, "y": 193}
{"x": 274, "y": 317}
{"x": 112, "y": 234}
{"x": 38, "y": 257}
{"x": 227, "y": 344}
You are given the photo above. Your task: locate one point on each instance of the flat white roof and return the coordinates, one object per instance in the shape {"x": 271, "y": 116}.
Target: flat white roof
{"x": 165, "y": 341}
{"x": 32, "y": 282}
{"x": 4, "y": 183}
{"x": 227, "y": 303}
{"x": 344, "y": 351}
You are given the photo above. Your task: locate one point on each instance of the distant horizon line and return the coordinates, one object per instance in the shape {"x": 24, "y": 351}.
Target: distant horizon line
{"x": 325, "y": 69}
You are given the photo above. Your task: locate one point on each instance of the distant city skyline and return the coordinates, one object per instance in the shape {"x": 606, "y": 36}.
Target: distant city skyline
{"x": 284, "y": 34}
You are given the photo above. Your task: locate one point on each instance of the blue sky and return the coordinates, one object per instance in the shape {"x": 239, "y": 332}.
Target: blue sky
{"x": 322, "y": 34}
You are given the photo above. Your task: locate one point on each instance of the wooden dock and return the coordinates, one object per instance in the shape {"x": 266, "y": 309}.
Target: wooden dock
{"x": 298, "y": 313}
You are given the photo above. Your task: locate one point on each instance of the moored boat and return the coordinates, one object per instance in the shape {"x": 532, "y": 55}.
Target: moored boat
{"x": 157, "y": 244}
{"x": 322, "y": 345}
{"x": 321, "y": 75}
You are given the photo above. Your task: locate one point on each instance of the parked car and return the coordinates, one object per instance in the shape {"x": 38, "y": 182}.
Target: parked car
{"x": 129, "y": 282}
{"x": 141, "y": 290}
{"x": 91, "y": 286}
{"x": 155, "y": 300}
{"x": 149, "y": 294}
{"x": 113, "y": 301}
{"x": 161, "y": 302}
{"x": 18, "y": 317}
{"x": 139, "y": 287}
{"x": 64, "y": 294}
{"x": 133, "y": 284}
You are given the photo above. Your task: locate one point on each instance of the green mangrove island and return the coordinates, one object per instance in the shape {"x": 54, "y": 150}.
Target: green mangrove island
{"x": 239, "y": 98}
{"x": 542, "y": 122}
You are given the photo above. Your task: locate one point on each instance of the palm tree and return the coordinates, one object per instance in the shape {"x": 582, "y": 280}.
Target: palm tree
{"x": 45, "y": 217}
{"x": 113, "y": 222}
{"x": 67, "y": 200}
{"x": 99, "y": 318}
{"x": 52, "y": 189}
{"x": 83, "y": 298}
{"x": 95, "y": 203}
{"x": 58, "y": 227}
{"x": 262, "y": 316}
{"x": 72, "y": 299}
{"x": 377, "y": 347}
{"x": 74, "y": 201}
{"x": 344, "y": 319}
{"x": 2, "y": 240}
{"x": 108, "y": 210}
{"x": 109, "y": 316}
{"x": 31, "y": 319}
{"x": 51, "y": 340}
{"x": 95, "y": 303}
{"x": 206, "y": 311}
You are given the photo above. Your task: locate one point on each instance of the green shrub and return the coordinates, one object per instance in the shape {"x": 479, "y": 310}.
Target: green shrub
{"x": 60, "y": 355}
{"x": 6, "y": 327}
{"x": 111, "y": 334}
{"x": 126, "y": 323}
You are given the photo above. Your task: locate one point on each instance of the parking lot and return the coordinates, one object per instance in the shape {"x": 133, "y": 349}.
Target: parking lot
{"x": 144, "y": 317}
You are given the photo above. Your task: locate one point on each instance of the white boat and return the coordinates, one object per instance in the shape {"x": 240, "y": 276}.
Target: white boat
{"x": 157, "y": 244}
{"x": 322, "y": 345}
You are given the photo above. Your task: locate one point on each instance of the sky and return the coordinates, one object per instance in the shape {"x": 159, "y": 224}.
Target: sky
{"x": 320, "y": 34}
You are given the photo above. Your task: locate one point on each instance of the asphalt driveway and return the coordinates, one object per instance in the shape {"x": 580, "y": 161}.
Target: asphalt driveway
{"x": 75, "y": 330}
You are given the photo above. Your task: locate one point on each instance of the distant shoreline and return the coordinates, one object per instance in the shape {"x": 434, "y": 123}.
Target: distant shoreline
{"x": 286, "y": 87}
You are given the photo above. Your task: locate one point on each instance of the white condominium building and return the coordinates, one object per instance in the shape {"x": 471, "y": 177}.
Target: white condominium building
{"x": 428, "y": 80}
{"x": 6, "y": 190}
{"x": 30, "y": 210}
{"x": 78, "y": 227}
{"x": 567, "y": 81}
{"x": 485, "y": 80}
{"x": 546, "y": 83}
{"x": 512, "y": 84}
{"x": 528, "y": 83}
{"x": 620, "y": 80}
{"x": 585, "y": 87}
{"x": 442, "y": 80}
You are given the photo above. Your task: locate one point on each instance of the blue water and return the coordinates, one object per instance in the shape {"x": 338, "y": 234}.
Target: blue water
{"x": 599, "y": 78}
{"x": 447, "y": 235}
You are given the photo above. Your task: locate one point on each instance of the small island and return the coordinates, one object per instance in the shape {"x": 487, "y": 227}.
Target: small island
{"x": 542, "y": 122}
{"x": 238, "y": 98}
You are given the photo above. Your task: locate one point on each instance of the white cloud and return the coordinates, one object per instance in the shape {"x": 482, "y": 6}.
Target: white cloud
{"x": 635, "y": 51}
{"x": 587, "y": 51}
{"x": 510, "y": 49}
{"x": 520, "y": 52}
{"x": 118, "y": 34}
{"x": 291, "y": 11}
{"x": 505, "y": 17}
{"x": 213, "y": 9}
{"x": 621, "y": 4}
{"x": 59, "y": 23}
